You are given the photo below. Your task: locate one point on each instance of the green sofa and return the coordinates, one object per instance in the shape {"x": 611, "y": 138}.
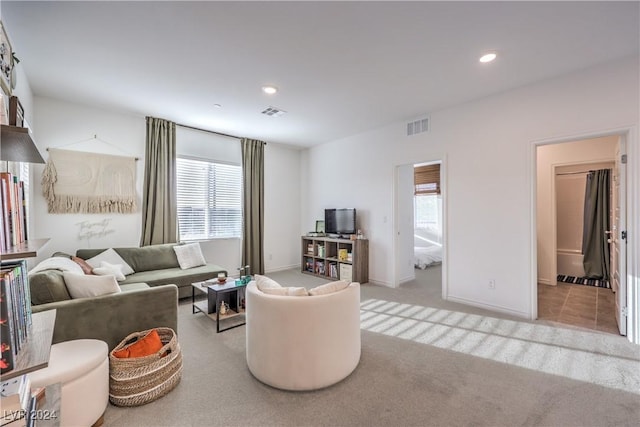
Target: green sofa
{"x": 158, "y": 265}
{"x": 149, "y": 297}
{"x": 109, "y": 318}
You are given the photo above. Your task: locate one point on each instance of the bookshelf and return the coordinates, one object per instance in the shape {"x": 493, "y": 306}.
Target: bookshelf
{"x": 34, "y": 354}
{"x": 336, "y": 259}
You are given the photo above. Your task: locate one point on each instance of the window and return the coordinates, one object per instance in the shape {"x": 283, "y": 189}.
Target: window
{"x": 209, "y": 199}
{"x": 427, "y": 205}
{"x": 426, "y": 179}
{"x": 426, "y": 212}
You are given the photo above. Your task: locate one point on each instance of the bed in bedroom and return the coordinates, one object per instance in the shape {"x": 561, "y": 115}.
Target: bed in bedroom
{"x": 427, "y": 256}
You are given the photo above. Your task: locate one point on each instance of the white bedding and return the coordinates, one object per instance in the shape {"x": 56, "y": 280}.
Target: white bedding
{"x": 425, "y": 257}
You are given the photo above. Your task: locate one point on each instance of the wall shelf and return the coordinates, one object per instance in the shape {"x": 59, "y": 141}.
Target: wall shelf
{"x": 18, "y": 146}
{"x": 26, "y": 249}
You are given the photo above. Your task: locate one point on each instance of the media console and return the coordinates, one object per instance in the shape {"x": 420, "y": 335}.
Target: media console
{"x": 336, "y": 259}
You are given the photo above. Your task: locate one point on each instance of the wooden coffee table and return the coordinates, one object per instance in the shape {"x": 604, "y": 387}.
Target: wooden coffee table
{"x": 217, "y": 293}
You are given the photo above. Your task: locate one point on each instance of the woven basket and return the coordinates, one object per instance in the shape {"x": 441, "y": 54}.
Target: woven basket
{"x": 139, "y": 380}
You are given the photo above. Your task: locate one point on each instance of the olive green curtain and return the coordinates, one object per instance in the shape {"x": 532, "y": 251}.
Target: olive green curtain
{"x": 253, "y": 204}
{"x": 595, "y": 246}
{"x": 159, "y": 201}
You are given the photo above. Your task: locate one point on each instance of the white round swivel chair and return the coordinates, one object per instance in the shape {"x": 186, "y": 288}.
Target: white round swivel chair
{"x": 303, "y": 342}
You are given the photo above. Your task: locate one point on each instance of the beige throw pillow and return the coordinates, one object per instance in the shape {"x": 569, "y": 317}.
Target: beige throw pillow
{"x": 87, "y": 286}
{"x": 329, "y": 288}
{"x": 264, "y": 282}
{"x": 189, "y": 255}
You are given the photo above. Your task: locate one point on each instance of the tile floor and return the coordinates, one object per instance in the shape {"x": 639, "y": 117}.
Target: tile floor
{"x": 578, "y": 305}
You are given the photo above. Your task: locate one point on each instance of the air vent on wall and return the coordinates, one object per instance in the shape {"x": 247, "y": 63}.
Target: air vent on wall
{"x": 273, "y": 112}
{"x": 418, "y": 126}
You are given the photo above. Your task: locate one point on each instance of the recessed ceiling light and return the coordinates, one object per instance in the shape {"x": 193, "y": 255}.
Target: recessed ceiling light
{"x": 269, "y": 90}
{"x": 488, "y": 57}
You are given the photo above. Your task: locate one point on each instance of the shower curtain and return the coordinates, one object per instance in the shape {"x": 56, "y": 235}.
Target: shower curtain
{"x": 596, "y": 221}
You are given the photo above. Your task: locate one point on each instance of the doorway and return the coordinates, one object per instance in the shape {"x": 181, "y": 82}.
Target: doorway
{"x": 419, "y": 224}
{"x": 565, "y": 293}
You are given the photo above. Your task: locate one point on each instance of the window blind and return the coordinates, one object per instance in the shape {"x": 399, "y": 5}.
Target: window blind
{"x": 426, "y": 179}
{"x": 209, "y": 199}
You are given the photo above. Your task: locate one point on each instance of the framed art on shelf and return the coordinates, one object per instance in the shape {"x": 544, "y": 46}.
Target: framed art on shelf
{"x": 6, "y": 61}
{"x": 319, "y": 226}
{"x": 4, "y": 109}
{"x": 16, "y": 112}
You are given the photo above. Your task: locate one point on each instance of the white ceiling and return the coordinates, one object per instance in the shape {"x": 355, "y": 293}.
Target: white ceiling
{"x": 341, "y": 67}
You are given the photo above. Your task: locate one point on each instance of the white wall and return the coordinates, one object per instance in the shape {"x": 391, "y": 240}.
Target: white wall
{"x": 24, "y": 93}
{"x": 488, "y": 195}
{"x": 58, "y": 123}
{"x": 548, "y": 158}
{"x": 282, "y": 190}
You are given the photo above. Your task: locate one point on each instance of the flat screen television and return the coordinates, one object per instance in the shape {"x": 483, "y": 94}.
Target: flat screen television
{"x": 340, "y": 221}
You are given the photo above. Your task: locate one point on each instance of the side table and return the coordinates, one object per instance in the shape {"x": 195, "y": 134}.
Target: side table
{"x": 217, "y": 293}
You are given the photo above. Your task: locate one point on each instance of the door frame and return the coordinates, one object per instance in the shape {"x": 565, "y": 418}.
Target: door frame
{"x": 442, "y": 160}
{"x": 629, "y": 135}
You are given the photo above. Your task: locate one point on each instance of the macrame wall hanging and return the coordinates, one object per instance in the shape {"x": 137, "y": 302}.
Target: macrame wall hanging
{"x": 82, "y": 182}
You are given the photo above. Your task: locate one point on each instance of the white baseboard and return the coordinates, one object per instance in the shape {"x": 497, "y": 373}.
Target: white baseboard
{"x": 380, "y": 283}
{"x": 489, "y": 307}
{"x": 407, "y": 279}
{"x": 287, "y": 267}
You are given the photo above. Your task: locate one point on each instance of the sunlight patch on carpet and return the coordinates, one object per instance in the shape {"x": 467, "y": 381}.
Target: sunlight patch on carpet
{"x": 592, "y": 357}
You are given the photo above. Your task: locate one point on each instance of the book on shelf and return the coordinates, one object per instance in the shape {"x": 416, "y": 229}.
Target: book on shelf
{"x": 15, "y": 311}
{"x": 12, "y": 210}
{"x": 7, "y": 222}
{"x": 333, "y": 270}
{"x": 308, "y": 265}
{"x": 346, "y": 272}
{"x": 7, "y": 338}
{"x": 342, "y": 254}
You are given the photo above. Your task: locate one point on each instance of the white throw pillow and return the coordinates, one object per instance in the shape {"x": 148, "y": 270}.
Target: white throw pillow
{"x": 264, "y": 282}
{"x": 329, "y": 288}
{"x": 106, "y": 269}
{"x": 87, "y": 286}
{"x": 290, "y": 291}
{"x": 112, "y": 257}
{"x": 189, "y": 255}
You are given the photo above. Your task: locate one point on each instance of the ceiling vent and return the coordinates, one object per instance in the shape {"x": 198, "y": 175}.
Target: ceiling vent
{"x": 418, "y": 126}
{"x": 273, "y": 112}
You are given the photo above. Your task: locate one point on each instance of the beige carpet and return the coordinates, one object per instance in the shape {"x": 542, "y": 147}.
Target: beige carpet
{"x": 425, "y": 362}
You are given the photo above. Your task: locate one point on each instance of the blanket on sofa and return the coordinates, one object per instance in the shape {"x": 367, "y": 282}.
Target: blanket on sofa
{"x": 57, "y": 263}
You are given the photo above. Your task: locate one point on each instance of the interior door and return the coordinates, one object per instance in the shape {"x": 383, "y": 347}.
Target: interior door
{"x": 618, "y": 244}
{"x": 404, "y": 224}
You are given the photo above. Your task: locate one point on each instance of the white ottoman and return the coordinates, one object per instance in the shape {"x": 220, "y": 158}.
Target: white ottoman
{"x": 82, "y": 369}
